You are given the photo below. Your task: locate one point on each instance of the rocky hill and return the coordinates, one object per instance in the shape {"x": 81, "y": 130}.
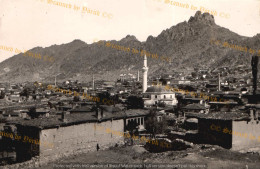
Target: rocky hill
{"x": 187, "y": 44}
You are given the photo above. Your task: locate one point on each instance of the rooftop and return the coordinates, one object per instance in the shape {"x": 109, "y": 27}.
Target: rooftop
{"x": 195, "y": 107}
{"x": 78, "y": 118}
{"x": 221, "y": 116}
{"x": 136, "y": 112}
{"x": 157, "y": 89}
{"x": 81, "y": 109}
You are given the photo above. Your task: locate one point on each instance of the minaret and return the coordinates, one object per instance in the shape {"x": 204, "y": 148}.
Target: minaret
{"x": 219, "y": 84}
{"x": 138, "y": 76}
{"x": 145, "y": 71}
{"x": 93, "y": 82}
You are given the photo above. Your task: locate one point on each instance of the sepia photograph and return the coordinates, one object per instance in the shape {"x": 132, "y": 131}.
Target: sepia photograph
{"x": 129, "y": 84}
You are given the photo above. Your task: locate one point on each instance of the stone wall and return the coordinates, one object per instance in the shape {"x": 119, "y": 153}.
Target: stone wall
{"x": 26, "y": 147}
{"x": 242, "y": 141}
{"x": 84, "y": 137}
{"x": 211, "y": 132}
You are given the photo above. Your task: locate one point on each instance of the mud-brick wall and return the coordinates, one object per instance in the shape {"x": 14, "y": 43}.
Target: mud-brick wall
{"x": 79, "y": 137}
{"x": 26, "y": 149}
{"x": 106, "y": 136}
{"x": 209, "y": 135}
{"x": 245, "y": 135}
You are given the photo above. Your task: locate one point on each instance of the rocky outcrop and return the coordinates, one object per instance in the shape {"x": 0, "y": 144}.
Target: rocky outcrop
{"x": 187, "y": 44}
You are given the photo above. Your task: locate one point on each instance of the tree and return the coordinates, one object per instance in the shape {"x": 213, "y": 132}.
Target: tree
{"x": 189, "y": 88}
{"x": 138, "y": 85}
{"x": 134, "y": 102}
{"x": 132, "y": 127}
{"x": 76, "y": 99}
{"x": 36, "y": 84}
{"x": 161, "y": 104}
{"x": 2, "y": 95}
{"x": 194, "y": 74}
{"x": 25, "y": 92}
{"x": 32, "y": 113}
{"x": 34, "y": 96}
{"x": 51, "y": 105}
{"x": 152, "y": 124}
{"x": 115, "y": 99}
{"x": 2, "y": 120}
{"x": 104, "y": 95}
{"x": 162, "y": 126}
{"x": 164, "y": 81}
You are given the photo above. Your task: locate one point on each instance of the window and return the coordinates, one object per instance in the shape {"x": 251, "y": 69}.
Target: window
{"x": 138, "y": 121}
{"x": 171, "y": 96}
{"x": 142, "y": 121}
{"x": 164, "y": 96}
{"x": 156, "y": 96}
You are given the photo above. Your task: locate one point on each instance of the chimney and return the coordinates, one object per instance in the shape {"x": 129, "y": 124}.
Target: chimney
{"x": 63, "y": 117}
{"x": 157, "y": 81}
{"x": 74, "y": 105}
{"x": 251, "y": 114}
{"x": 99, "y": 113}
{"x": 55, "y": 81}
{"x": 254, "y": 64}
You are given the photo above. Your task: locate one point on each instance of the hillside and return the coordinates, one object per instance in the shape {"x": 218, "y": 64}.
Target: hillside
{"x": 187, "y": 44}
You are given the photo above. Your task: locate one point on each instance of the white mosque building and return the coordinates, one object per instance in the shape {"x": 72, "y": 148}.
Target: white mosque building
{"x": 156, "y": 94}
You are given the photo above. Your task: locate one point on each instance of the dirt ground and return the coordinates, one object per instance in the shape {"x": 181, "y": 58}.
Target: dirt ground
{"x": 211, "y": 157}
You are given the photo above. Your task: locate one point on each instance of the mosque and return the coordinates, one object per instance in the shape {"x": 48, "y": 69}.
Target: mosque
{"x": 156, "y": 94}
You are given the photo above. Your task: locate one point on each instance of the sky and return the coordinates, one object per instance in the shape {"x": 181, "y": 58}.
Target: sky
{"x": 25, "y": 24}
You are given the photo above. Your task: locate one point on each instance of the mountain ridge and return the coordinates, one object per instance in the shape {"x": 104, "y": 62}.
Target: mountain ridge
{"x": 187, "y": 44}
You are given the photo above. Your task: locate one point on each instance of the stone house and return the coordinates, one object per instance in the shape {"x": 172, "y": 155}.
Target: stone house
{"x": 54, "y": 136}
{"x": 15, "y": 98}
{"x": 231, "y": 130}
{"x": 196, "y": 108}
{"x": 137, "y": 115}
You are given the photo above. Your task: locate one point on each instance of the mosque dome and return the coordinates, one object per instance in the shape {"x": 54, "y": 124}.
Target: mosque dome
{"x": 157, "y": 89}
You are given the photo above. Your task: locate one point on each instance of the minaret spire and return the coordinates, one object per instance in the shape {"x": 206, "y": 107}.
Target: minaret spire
{"x": 219, "y": 83}
{"x": 93, "y": 82}
{"x": 145, "y": 71}
{"x": 138, "y": 76}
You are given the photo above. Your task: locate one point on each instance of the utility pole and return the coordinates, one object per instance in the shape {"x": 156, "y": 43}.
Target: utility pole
{"x": 93, "y": 82}
{"x": 254, "y": 64}
{"x": 219, "y": 84}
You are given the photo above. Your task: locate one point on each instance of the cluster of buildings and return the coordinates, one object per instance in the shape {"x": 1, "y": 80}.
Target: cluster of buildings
{"x": 70, "y": 123}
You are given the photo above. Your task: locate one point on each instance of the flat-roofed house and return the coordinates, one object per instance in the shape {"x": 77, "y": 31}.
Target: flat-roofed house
{"x": 232, "y": 130}
{"x": 54, "y": 136}
{"x": 15, "y": 98}
{"x": 137, "y": 115}
{"x": 196, "y": 108}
